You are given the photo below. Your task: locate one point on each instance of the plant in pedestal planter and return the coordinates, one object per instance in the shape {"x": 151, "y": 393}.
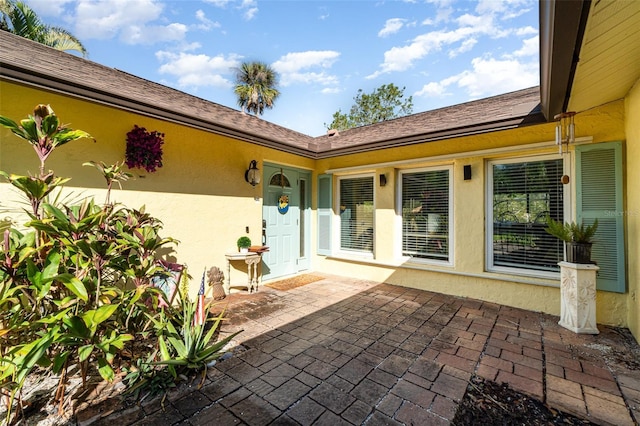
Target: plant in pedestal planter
{"x": 243, "y": 244}
{"x": 578, "y": 238}
{"x": 144, "y": 149}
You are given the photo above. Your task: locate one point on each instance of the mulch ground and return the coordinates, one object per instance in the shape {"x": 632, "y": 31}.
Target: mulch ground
{"x": 294, "y": 282}
{"x": 490, "y": 403}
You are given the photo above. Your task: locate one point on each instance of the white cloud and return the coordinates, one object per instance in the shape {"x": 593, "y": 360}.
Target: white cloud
{"x": 188, "y": 47}
{"x": 251, "y": 13}
{"x": 484, "y": 22}
{"x": 250, "y": 8}
{"x": 300, "y": 60}
{"x": 525, "y": 31}
{"x": 444, "y": 10}
{"x": 481, "y": 24}
{"x": 392, "y": 26}
{"x": 506, "y": 9}
{"x": 291, "y": 67}
{"x": 530, "y": 47}
{"x": 309, "y": 78}
{"x": 488, "y": 77}
{"x": 465, "y": 46}
{"x": 50, "y": 7}
{"x": 134, "y": 34}
{"x": 402, "y": 58}
{"x": 219, "y": 3}
{"x": 130, "y": 21}
{"x": 198, "y": 70}
{"x": 205, "y": 23}
{"x": 433, "y": 89}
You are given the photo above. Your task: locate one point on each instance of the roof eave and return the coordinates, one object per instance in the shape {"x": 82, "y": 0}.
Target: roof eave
{"x": 535, "y": 117}
{"x": 562, "y": 25}
{"x": 45, "y": 82}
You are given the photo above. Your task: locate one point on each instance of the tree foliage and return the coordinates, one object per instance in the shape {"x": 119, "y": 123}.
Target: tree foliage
{"x": 76, "y": 286}
{"x": 256, "y": 87}
{"x": 21, "y": 20}
{"x": 384, "y": 103}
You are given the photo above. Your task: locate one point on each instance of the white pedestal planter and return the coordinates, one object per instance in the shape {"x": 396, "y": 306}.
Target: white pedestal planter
{"x": 578, "y": 297}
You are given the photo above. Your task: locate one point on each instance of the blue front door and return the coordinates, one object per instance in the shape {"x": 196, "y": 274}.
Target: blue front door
{"x": 285, "y": 220}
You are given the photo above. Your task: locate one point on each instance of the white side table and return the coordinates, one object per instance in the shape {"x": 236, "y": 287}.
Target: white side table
{"x": 252, "y": 260}
{"x": 578, "y": 297}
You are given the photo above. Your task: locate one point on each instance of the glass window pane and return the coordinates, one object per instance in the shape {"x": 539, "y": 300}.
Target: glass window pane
{"x": 356, "y": 214}
{"x": 425, "y": 214}
{"x": 524, "y": 194}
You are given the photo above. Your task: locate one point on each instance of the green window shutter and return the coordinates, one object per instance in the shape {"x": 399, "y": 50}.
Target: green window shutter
{"x": 325, "y": 214}
{"x": 599, "y": 196}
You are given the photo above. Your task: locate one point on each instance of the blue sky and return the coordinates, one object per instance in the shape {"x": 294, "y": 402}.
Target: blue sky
{"x": 443, "y": 52}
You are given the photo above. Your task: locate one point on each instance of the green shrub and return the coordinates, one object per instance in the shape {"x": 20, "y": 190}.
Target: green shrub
{"x": 75, "y": 286}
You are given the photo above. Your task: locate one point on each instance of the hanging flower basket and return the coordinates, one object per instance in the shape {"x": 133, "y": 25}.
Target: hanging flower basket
{"x": 144, "y": 149}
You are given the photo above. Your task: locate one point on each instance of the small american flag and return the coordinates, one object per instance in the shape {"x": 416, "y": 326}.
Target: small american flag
{"x": 199, "y": 316}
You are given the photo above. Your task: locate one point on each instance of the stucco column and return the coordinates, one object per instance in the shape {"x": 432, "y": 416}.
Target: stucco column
{"x": 578, "y": 297}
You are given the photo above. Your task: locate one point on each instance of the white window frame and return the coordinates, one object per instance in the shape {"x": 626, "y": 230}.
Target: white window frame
{"x": 567, "y": 194}
{"x": 450, "y": 214}
{"x": 337, "y": 234}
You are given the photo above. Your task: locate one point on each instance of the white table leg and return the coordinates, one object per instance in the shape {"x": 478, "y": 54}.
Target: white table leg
{"x": 228, "y": 280}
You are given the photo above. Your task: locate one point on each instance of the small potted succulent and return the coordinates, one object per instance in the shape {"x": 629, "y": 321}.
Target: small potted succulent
{"x": 243, "y": 244}
{"x": 578, "y": 239}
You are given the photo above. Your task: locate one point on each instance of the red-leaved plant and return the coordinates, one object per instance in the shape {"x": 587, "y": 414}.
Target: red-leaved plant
{"x": 144, "y": 149}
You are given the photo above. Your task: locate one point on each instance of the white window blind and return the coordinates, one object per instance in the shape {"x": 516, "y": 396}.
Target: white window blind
{"x": 523, "y": 195}
{"x": 356, "y": 214}
{"x": 426, "y": 214}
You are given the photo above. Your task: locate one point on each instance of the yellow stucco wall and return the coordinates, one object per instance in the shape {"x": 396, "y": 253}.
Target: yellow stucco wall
{"x": 632, "y": 118}
{"x": 467, "y": 277}
{"x": 202, "y": 198}
{"x": 200, "y": 193}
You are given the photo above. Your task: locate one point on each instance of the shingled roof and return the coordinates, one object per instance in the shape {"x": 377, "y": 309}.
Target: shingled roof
{"x": 501, "y": 112}
{"x": 26, "y": 62}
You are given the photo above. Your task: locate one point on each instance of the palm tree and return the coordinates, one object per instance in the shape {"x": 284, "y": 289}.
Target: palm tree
{"x": 256, "y": 87}
{"x": 20, "y": 19}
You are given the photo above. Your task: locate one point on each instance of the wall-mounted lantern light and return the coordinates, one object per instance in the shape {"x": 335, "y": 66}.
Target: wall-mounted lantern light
{"x": 252, "y": 175}
{"x": 565, "y": 131}
{"x": 467, "y": 171}
{"x": 383, "y": 179}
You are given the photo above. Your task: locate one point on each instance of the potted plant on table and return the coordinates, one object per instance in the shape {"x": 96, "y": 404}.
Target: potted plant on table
{"x": 243, "y": 244}
{"x": 578, "y": 239}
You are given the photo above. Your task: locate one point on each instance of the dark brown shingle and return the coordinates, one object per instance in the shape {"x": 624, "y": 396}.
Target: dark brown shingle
{"x": 26, "y": 62}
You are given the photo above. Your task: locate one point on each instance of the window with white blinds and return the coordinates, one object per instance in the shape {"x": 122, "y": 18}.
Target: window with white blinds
{"x": 356, "y": 210}
{"x": 522, "y": 195}
{"x": 426, "y": 212}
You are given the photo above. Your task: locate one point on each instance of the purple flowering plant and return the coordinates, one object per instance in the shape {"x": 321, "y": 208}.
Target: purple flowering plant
{"x": 144, "y": 149}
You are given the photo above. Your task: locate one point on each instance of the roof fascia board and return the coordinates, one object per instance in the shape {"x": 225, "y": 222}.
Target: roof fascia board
{"x": 512, "y": 123}
{"x": 562, "y": 24}
{"x": 445, "y": 157}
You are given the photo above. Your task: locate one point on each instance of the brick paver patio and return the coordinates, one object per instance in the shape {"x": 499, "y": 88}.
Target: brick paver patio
{"x": 343, "y": 351}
